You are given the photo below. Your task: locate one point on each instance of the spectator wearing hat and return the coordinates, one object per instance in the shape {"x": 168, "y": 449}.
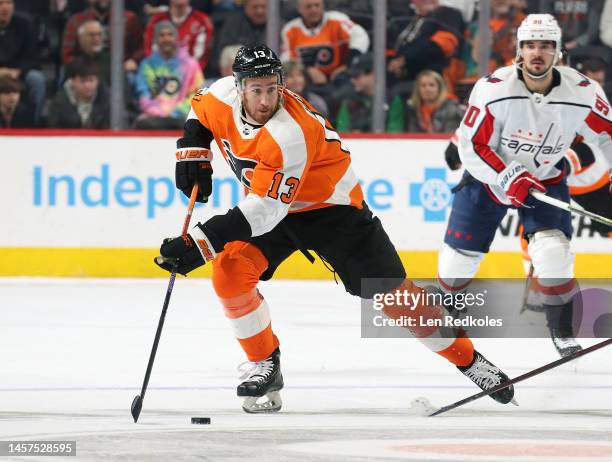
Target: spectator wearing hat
{"x": 166, "y": 82}
{"x": 13, "y": 113}
{"x": 83, "y": 100}
{"x": 355, "y": 112}
{"x": 430, "y": 108}
{"x": 194, "y": 28}
{"x": 18, "y": 55}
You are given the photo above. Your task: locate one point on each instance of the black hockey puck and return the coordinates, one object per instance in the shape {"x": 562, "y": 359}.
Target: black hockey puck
{"x": 200, "y": 420}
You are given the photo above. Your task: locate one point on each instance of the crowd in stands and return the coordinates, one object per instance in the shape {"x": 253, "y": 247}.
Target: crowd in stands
{"x": 55, "y": 60}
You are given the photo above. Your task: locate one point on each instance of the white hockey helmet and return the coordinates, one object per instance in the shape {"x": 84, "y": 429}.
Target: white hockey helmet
{"x": 539, "y": 27}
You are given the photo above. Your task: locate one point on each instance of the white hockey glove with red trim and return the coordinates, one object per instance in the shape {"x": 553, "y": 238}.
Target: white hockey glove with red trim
{"x": 516, "y": 181}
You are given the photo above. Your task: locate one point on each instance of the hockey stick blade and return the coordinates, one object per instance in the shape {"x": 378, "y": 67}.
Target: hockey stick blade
{"x": 525, "y": 376}
{"x": 136, "y": 407}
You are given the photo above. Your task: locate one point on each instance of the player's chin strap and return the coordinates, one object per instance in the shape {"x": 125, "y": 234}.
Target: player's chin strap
{"x": 518, "y": 62}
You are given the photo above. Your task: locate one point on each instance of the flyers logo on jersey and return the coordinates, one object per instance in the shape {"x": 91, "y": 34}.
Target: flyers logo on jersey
{"x": 317, "y": 55}
{"x": 242, "y": 167}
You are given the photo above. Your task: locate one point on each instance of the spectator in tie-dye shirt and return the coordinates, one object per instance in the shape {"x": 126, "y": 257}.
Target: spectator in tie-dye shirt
{"x": 166, "y": 82}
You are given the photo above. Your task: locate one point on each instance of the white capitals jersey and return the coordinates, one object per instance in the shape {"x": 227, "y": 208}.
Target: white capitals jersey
{"x": 505, "y": 122}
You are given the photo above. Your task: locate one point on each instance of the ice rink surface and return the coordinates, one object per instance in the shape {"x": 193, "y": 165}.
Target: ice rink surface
{"x": 73, "y": 355}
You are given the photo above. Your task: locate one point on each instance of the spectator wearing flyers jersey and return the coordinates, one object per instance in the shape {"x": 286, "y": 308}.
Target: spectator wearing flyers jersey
{"x": 195, "y": 30}
{"x": 325, "y": 42}
{"x": 166, "y": 82}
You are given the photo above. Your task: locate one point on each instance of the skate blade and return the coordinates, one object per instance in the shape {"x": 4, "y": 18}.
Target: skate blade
{"x": 272, "y": 403}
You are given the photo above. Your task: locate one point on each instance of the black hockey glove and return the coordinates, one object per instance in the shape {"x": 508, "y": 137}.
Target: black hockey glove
{"x": 185, "y": 254}
{"x": 451, "y": 155}
{"x": 193, "y": 166}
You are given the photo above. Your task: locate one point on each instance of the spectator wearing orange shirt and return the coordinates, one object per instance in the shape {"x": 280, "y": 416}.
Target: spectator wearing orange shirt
{"x": 324, "y": 41}
{"x": 431, "y": 109}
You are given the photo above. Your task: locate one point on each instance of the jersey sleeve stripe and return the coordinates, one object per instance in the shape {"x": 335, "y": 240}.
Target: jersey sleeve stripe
{"x": 598, "y": 124}
{"x": 343, "y": 189}
{"x": 480, "y": 142}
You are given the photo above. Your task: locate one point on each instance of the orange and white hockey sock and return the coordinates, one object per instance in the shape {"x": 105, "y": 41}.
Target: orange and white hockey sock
{"x": 250, "y": 319}
{"x": 455, "y": 346}
{"x": 236, "y": 273}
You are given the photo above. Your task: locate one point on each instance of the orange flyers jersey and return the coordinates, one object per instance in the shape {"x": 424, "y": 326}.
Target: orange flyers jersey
{"x": 326, "y": 46}
{"x": 293, "y": 163}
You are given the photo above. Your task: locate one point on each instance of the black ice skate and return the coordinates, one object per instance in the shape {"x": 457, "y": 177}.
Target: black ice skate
{"x": 261, "y": 379}
{"x": 560, "y": 320}
{"x": 487, "y": 375}
{"x": 564, "y": 342}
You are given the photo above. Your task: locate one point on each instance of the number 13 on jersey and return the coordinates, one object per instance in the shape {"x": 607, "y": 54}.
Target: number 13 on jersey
{"x": 292, "y": 184}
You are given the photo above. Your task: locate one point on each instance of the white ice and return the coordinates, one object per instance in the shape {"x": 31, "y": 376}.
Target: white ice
{"x": 73, "y": 353}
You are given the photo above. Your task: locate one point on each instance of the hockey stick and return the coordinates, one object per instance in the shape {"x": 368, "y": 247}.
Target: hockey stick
{"x": 570, "y": 208}
{"x": 138, "y": 399}
{"x": 525, "y": 376}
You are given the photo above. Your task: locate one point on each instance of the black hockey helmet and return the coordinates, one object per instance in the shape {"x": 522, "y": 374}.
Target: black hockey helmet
{"x": 256, "y": 61}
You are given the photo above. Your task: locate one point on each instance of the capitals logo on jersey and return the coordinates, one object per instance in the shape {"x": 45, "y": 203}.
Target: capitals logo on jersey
{"x": 242, "y": 167}
{"x": 538, "y": 144}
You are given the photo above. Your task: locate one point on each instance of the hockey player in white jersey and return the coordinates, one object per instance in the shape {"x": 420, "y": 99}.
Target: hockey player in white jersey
{"x": 519, "y": 123}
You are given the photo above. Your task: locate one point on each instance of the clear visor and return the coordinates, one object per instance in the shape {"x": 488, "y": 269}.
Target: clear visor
{"x": 250, "y": 81}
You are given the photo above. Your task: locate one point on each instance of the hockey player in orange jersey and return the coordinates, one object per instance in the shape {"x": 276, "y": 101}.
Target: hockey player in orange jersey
{"x": 301, "y": 194}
